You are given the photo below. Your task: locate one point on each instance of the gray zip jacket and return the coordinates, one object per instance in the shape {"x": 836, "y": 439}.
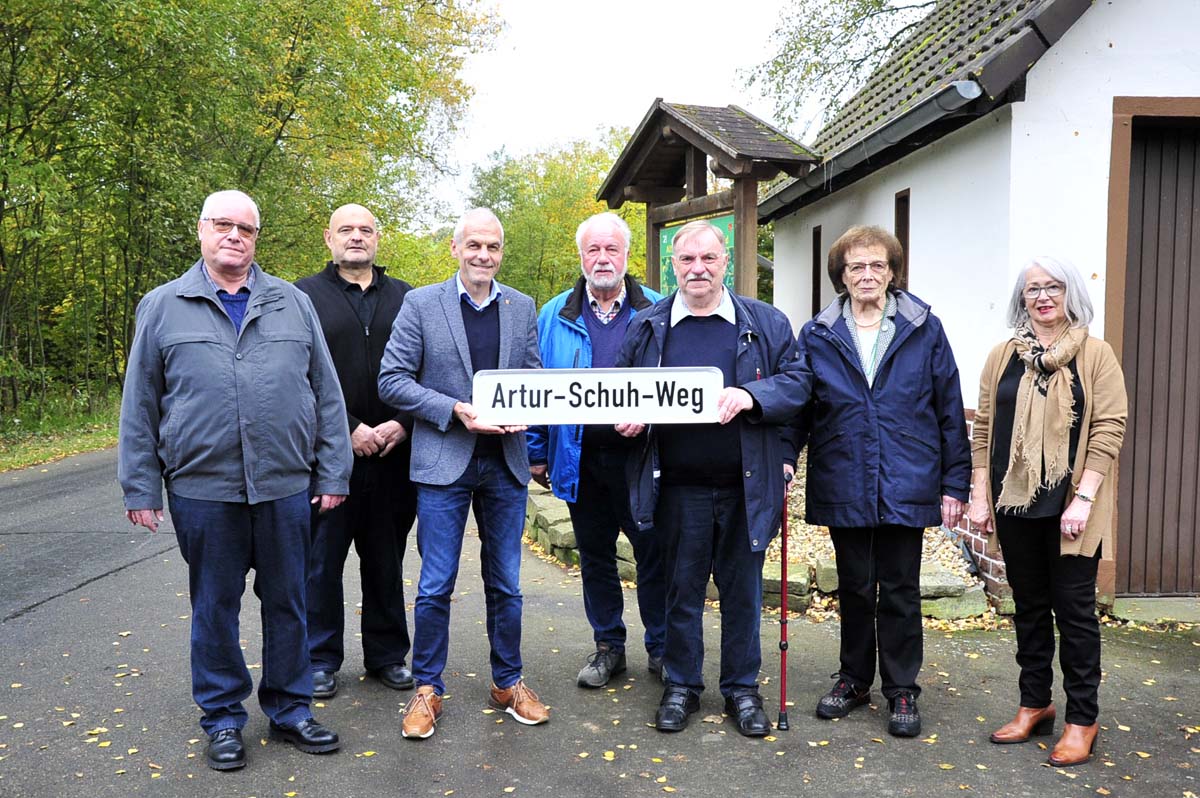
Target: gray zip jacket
{"x": 223, "y": 416}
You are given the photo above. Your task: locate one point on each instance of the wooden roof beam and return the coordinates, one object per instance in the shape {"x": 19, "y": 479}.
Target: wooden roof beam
{"x": 688, "y": 209}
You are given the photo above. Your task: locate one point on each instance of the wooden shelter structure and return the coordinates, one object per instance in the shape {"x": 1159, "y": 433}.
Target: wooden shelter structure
{"x": 665, "y": 164}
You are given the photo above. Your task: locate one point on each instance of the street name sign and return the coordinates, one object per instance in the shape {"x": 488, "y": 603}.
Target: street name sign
{"x": 680, "y": 395}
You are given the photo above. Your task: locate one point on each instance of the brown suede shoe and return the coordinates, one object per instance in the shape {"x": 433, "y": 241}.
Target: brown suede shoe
{"x": 1075, "y": 746}
{"x": 1027, "y": 723}
{"x": 520, "y": 702}
{"x": 422, "y": 713}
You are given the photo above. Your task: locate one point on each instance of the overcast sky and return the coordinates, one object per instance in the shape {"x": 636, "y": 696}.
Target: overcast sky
{"x": 561, "y": 71}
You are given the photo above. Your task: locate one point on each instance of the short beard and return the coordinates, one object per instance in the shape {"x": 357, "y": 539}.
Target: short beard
{"x": 604, "y": 283}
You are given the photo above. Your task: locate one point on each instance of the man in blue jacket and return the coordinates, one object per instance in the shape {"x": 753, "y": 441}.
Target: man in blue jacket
{"x": 714, "y": 492}
{"x": 231, "y": 399}
{"x": 584, "y": 328}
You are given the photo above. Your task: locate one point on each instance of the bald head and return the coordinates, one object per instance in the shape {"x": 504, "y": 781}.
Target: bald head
{"x": 352, "y": 238}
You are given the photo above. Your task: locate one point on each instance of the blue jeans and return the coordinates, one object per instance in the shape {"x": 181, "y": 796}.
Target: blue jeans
{"x": 703, "y": 531}
{"x": 221, "y": 542}
{"x": 598, "y": 514}
{"x": 499, "y": 501}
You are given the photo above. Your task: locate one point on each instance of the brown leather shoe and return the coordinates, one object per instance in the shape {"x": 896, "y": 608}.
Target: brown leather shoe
{"x": 1027, "y": 723}
{"x": 520, "y": 702}
{"x": 422, "y": 713}
{"x": 1075, "y": 746}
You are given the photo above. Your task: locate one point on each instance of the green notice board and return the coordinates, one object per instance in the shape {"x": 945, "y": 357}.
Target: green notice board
{"x": 667, "y": 272}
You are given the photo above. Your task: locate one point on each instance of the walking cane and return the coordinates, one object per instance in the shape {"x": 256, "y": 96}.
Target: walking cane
{"x": 783, "y": 613}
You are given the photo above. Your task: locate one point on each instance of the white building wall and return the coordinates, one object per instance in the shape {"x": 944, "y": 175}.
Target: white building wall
{"x": 1030, "y": 179}
{"x": 958, "y": 239}
{"x": 1062, "y": 132}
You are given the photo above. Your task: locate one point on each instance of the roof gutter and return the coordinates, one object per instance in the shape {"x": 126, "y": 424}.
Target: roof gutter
{"x": 945, "y": 102}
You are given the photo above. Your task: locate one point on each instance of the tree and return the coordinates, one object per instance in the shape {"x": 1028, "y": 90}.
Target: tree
{"x": 117, "y": 117}
{"x": 824, "y": 51}
{"x": 541, "y": 199}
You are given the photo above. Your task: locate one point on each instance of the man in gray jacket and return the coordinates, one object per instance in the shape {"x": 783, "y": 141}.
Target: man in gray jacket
{"x": 231, "y": 398}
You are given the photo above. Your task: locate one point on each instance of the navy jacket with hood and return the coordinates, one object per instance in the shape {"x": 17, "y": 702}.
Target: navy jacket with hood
{"x": 770, "y": 369}
{"x": 886, "y": 453}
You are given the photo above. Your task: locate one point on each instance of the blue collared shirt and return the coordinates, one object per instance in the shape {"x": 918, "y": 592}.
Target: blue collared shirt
{"x": 680, "y": 310}
{"x": 463, "y": 294}
{"x": 248, "y": 285}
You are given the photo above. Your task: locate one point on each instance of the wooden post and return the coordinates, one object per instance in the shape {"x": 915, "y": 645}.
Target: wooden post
{"x": 696, "y": 170}
{"x": 745, "y": 233}
{"x": 652, "y": 264}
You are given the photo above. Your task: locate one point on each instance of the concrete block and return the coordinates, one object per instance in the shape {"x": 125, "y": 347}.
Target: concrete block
{"x": 567, "y": 556}
{"x": 624, "y": 548}
{"x": 796, "y": 603}
{"x": 799, "y": 583}
{"x": 938, "y": 582}
{"x": 626, "y": 570}
{"x": 561, "y": 536}
{"x": 1004, "y": 605}
{"x": 948, "y": 608}
{"x": 826, "y": 575}
{"x": 548, "y": 517}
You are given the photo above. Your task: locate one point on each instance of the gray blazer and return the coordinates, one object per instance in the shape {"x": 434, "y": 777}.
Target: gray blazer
{"x": 426, "y": 369}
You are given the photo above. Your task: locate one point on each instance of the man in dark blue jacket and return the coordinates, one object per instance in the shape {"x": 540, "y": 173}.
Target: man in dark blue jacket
{"x": 584, "y": 328}
{"x": 357, "y": 303}
{"x": 714, "y": 492}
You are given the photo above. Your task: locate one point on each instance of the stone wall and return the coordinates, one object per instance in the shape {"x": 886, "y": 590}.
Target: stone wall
{"x": 943, "y": 594}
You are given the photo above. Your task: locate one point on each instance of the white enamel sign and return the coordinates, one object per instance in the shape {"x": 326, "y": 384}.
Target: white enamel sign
{"x": 684, "y": 395}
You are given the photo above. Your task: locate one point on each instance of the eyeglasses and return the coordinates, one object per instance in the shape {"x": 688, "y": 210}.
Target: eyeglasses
{"x": 708, "y": 259}
{"x": 858, "y": 268}
{"x": 1035, "y": 291}
{"x": 223, "y": 226}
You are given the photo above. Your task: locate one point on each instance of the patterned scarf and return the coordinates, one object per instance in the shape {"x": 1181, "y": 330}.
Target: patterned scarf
{"x": 1039, "y": 453}
{"x": 887, "y": 331}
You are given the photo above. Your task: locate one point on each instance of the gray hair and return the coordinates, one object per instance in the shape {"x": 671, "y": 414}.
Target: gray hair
{"x": 694, "y": 228}
{"x": 1076, "y": 301}
{"x": 217, "y": 196}
{"x": 484, "y": 215}
{"x": 608, "y": 217}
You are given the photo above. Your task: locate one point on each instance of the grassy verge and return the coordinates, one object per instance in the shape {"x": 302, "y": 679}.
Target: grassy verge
{"x": 61, "y": 431}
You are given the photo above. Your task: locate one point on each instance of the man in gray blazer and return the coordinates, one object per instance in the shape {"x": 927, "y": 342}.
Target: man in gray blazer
{"x": 443, "y": 334}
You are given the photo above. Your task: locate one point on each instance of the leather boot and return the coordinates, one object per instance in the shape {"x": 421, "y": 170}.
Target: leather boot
{"x": 1075, "y": 746}
{"x": 1027, "y": 723}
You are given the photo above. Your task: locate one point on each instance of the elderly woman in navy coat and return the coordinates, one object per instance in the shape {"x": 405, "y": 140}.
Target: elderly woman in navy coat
{"x": 887, "y": 456}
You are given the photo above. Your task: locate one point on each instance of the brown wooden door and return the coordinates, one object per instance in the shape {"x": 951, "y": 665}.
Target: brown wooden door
{"x": 1158, "y": 549}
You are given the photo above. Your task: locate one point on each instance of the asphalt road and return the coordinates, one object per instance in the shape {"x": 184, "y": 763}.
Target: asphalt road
{"x": 95, "y": 696}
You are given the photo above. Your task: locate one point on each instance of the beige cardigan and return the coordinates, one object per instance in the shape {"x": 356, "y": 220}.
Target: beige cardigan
{"x": 1101, "y": 430}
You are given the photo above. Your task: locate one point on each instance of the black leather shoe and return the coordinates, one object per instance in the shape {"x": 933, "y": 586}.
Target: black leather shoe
{"x": 844, "y": 697}
{"x": 673, "y": 710}
{"x": 395, "y": 676}
{"x": 225, "y": 750}
{"x": 307, "y": 735}
{"x": 746, "y": 710}
{"x": 905, "y": 720}
{"x": 324, "y": 684}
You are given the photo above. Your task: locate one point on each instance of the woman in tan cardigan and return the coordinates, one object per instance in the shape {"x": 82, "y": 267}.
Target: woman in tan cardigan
{"x": 1049, "y": 425}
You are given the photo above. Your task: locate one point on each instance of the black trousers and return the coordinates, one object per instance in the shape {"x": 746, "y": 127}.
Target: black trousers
{"x": 879, "y": 592}
{"x": 1050, "y": 589}
{"x": 599, "y": 513}
{"x": 376, "y": 517}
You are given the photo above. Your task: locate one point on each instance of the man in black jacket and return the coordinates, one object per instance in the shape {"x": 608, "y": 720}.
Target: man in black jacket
{"x": 357, "y": 303}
